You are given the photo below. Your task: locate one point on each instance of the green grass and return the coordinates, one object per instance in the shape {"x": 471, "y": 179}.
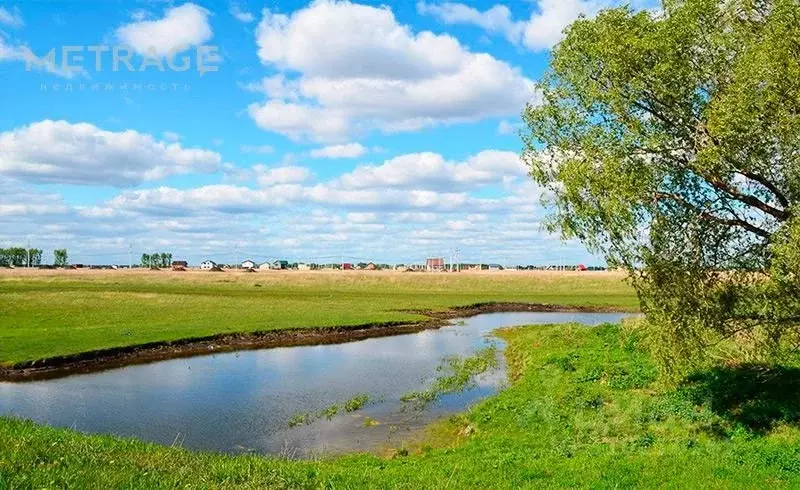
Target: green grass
{"x": 584, "y": 410}
{"x": 52, "y": 314}
{"x": 459, "y": 374}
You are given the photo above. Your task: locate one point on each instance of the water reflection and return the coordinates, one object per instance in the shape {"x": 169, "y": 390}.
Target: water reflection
{"x": 242, "y": 401}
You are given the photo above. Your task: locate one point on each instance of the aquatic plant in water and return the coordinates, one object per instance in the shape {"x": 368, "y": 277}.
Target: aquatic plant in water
{"x": 356, "y": 403}
{"x": 352, "y": 405}
{"x": 300, "y": 419}
{"x": 461, "y": 373}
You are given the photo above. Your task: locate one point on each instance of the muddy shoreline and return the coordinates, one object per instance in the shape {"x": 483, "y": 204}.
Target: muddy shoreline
{"x": 100, "y": 360}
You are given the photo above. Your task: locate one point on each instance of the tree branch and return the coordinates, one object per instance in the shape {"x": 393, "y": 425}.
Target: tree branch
{"x": 769, "y": 185}
{"x": 712, "y": 217}
{"x": 779, "y": 214}
{"x": 749, "y": 199}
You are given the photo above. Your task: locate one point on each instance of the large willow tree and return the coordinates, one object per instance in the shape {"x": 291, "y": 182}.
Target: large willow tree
{"x": 670, "y": 143}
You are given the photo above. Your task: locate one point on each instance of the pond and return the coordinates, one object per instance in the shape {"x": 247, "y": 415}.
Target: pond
{"x": 243, "y": 401}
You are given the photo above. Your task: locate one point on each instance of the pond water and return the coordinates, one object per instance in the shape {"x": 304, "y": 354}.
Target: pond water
{"x": 243, "y": 401}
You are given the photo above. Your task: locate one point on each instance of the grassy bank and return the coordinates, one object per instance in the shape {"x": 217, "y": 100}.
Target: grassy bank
{"x": 584, "y": 410}
{"x": 53, "y": 313}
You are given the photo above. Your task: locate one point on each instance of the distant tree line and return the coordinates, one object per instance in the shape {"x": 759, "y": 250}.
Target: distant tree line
{"x": 24, "y": 257}
{"x": 162, "y": 259}
{"x": 20, "y": 257}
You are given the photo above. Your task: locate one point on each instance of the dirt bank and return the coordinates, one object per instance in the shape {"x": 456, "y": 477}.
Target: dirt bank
{"x": 92, "y": 361}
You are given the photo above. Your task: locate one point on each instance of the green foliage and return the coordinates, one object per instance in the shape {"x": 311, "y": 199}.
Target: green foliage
{"x": 20, "y": 257}
{"x": 300, "y": 419}
{"x": 670, "y": 143}
{"x": 356, "y": 403}
{"x": 755, "y": 397}
{"x": 35, "y": 257}
{"x": 330, "y": 411}
{"x": 158, "y": 260}
{"x": 566, "y": 363}
{"x": 370, "y": 422}
{"x": 60, "y": 257}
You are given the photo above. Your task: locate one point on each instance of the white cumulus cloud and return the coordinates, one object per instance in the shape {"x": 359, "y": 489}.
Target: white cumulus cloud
{"x": 542, "y": 30}
{"x": 496, "y": 19}
{"x": 62, "y": 152}
{"x": 181, "y": 28}
{"x": 432, "y": 171}
{"x": 299, "y": 121}
{"x": 349, "y": 150}
{"x": 289, "y": 174}
{"x": 348, "y": 68}
{"x": 168, "y": 201}
{"x": 545, "y": 28}
{"x": 413, "y": 182}
{"x": 241, "y": 15}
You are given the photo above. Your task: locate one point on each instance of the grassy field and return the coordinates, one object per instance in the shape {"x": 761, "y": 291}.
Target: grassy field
{"x": 584, "y": 410}
{"x": 52, "y": 313}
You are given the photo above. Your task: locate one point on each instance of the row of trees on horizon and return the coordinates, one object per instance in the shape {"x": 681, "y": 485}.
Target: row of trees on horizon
{"x": 32, "y": 257}
{"x": 162, "y": 259}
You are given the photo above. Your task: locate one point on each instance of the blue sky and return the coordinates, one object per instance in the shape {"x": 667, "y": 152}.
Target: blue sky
{"x": 326, "y": 129}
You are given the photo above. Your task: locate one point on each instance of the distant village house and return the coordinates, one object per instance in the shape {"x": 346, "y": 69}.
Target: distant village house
{"x": 179, "y": 265}
{"x": 434, "y": 264}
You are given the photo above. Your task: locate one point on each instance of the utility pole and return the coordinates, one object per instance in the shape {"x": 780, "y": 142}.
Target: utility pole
{"x": 29, "y": 253}
{"x": 130, "y": 256}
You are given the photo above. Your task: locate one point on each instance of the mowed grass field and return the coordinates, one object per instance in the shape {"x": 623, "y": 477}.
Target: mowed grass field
{"x": 52, "y": 313}
{"x": 584, "y": 410}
